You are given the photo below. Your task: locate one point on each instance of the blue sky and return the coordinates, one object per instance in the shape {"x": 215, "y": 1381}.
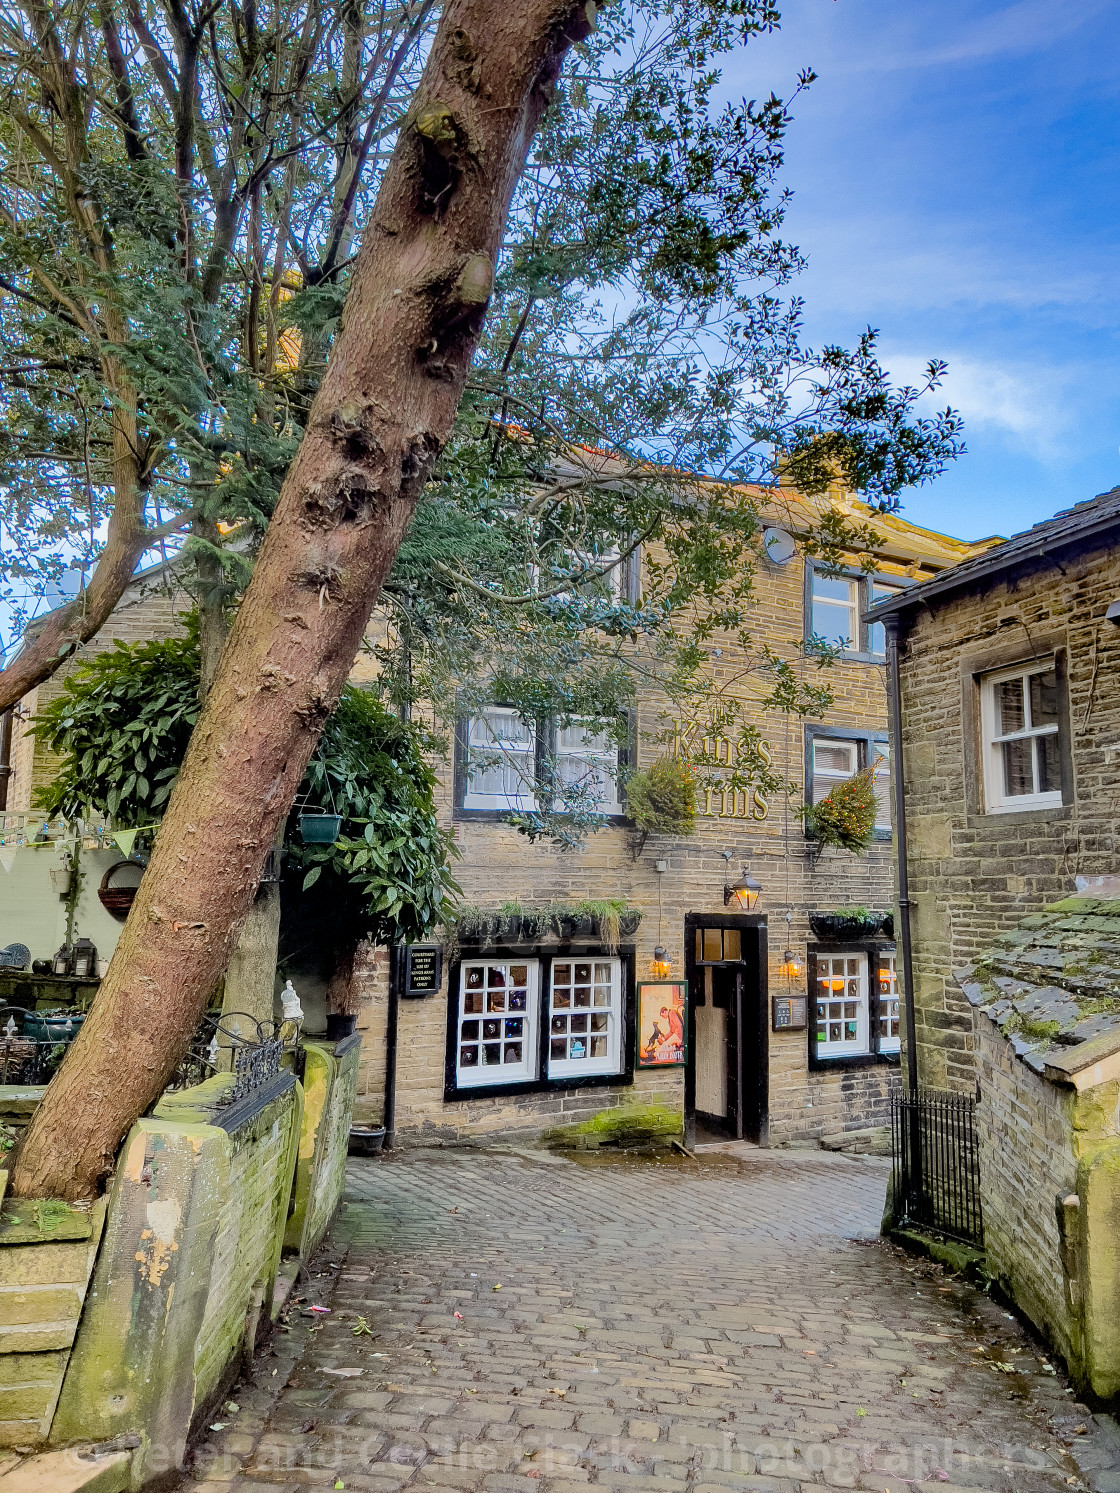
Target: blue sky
{"x": 955, "y": 175}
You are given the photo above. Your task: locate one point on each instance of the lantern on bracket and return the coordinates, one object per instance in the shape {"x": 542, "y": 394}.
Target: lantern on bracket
{"x": 790, "y": 967}
{"x": 742, "y": 893}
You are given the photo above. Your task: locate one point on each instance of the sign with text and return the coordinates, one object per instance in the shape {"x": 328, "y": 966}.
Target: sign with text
{"x": 661, "y": 1023}
{"x": 423, "y": 970}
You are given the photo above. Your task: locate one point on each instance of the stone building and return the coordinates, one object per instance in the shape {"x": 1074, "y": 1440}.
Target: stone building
{"x": 775, "y": 1050}
{"x": 526, "y": 1030}
{"x": 1010, "y": 751}
{"x": 1009, "y": 746}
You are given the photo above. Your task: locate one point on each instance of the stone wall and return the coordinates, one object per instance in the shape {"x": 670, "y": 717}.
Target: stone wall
{"x": 974, "y": 875}
{"x": 187, "y": 1266}
{"x": 1028, "y": 1159}
{"x": 330, "y": 1081}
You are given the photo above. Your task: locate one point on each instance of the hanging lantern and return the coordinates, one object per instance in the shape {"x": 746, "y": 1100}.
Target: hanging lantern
{"x": 790, "y": 967}
{"x": 660, "y": 965}
{"x": 743, "y": 893}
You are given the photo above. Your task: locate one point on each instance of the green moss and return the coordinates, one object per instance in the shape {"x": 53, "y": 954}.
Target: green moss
{"x": 1038, "y": 1031}
{"x": 620, "y": 1124}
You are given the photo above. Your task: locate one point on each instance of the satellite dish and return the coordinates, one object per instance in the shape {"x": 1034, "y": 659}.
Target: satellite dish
{"x": 779, "y": 546}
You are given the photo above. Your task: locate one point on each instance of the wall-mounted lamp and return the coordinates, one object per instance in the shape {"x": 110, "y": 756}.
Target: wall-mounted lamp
{"x": 660, "y": 965}
{"x": 744, "y": 892}
{"x": 790, "y": 967}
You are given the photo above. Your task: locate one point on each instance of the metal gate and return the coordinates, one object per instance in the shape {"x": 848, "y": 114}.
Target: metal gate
{"x": 937, "y": 1166}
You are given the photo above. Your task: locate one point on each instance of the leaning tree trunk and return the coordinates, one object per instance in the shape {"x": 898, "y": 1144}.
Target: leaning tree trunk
{"x": 385, "y": 407}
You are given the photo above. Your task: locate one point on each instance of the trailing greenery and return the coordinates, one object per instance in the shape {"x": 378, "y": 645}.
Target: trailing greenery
{"x": 859, "y": 914}
{"x": 662, "y": 799}
{"x": 601, "y": 916}
{"x": 121, "y": 726}
{"x": 845, "y": 817}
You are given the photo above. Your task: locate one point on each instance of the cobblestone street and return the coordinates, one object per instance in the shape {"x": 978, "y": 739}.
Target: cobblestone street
{"x": 504, "y": 1322}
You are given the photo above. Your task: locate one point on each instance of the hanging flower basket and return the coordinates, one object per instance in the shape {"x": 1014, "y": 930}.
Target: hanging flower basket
{"x": 117, "y": 900}
{"x": 319, "y": 829}
{"x": 837, "y": 927}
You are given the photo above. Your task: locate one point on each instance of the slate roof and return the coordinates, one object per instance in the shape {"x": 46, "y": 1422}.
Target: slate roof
{"x": 1083, "y": 521}
{"x": 1054, "y": 981}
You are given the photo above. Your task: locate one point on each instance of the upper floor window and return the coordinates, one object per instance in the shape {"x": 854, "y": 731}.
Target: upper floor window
{"x": 501, "y": 761}
{"x": 832, "y": 759}
{"x": 511, "y": 764}
{"x": 1019, "y": 710}
{"x": 836, "y": 604}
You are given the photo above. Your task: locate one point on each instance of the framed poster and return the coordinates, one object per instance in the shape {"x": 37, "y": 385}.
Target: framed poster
{"x": 661, "y": 1023}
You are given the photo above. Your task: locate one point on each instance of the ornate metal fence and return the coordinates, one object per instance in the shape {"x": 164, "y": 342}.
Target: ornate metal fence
{"x": 253, "y": 1051}
{"x": 937, "y": 1169}
{"x": 33, "y": 1043}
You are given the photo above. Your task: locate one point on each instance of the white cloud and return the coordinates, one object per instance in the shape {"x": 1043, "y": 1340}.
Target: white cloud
{"x": 1031, "y": 407}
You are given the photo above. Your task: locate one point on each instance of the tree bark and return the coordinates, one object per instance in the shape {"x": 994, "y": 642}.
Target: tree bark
{"x": 383, "y": 412}
{"x": 342, "y": 992}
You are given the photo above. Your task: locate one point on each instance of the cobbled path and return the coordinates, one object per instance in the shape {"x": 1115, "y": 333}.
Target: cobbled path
{"x": 507, "y": 1323}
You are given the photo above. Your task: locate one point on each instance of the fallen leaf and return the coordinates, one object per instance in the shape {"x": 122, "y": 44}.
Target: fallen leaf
{"x": 860, "y": 1410}
{"x": 339, "y": 1483}
{"x": 219, "y": 1425}
{"x": 460, "y": 1316}
{"x": 344, "y": 1373}
{"x": 324, "y": 1310}
{"x": 495, "y": 1288}
{"x": 533, "y": 1472}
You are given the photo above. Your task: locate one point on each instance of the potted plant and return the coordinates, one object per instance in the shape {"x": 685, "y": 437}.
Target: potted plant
{"x": 845, "y": 817}
{"x": 317, "y": 828}
{"x": 847, "y": 924}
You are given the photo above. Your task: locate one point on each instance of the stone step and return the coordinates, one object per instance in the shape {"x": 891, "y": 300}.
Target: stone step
{"x": 74, "y": 1470}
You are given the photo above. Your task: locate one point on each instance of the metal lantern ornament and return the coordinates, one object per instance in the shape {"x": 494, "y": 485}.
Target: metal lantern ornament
{"x": 660, "y": 965}
{"x": 790, "y": 967}
{"x": 743, "y": 893}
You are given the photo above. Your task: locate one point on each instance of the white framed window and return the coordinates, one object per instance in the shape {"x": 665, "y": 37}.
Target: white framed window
{"x": 840, "y": 999}
{"x": 834, "y": 760}
{"x": 496, "y": 1039}
{"x": 889, "y": 1030}
{"x": 585, "y": 1018}
{"x": 501, "y": 766}
{"x": 881, "y": 761}
{"x": 835, "y": 608}
{"x": 1021, "y": 752}
{"x": 587, "y": 759}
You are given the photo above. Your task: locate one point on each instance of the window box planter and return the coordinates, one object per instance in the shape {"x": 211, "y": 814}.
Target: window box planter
{"x": 832, "y": 927}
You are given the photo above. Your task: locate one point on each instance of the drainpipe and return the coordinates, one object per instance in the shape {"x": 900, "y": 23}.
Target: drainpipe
{"x": 396, "y": 975}
{"x": 5, "y": 755}
{"x": 898, "y": 795}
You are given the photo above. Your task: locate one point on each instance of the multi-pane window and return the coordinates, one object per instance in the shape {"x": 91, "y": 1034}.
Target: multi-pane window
{"x": 501, "y": 768}
{"x": 833, "y": 759}
{"x": 497, "y": 1022}
{"x": 586, "y": 760}
{"x": 836, "y": 605}
{"x": 509, "y": 764}
{"x": 841, "y": 1004}
{"x": 835, "y": 610}
{"x": 718, "y": 945}
{"x": 1022, "y": 758}
{"x": 585, "y": 1018}
{"x": 889, "y": 1040}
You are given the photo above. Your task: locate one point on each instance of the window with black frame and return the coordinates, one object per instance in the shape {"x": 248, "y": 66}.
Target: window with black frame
{"x": 835, "y": 604}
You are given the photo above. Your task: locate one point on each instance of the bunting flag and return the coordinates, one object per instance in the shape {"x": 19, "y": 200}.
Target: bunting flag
{"x": 8, "y": 855}
{"x": 125, "y": 839}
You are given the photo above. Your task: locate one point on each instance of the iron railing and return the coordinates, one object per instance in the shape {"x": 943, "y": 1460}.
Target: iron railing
{"x": 253, "y": 1051}
{"x": 33, "y": 1043}
{"x": 937, "y": 1164}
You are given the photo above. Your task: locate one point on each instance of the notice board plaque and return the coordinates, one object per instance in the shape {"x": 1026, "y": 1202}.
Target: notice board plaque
{"x": 790, "y": 1013}
{"x": 423, "y": 970}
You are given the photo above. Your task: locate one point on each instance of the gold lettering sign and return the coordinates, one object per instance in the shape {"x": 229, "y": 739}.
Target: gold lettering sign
{"x": 719, "y": 802}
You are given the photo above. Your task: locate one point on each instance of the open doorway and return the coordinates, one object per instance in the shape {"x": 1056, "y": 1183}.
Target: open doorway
{"x": 726, "y": 1090}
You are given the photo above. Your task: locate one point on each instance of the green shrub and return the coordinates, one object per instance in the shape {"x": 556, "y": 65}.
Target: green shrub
{"x": 662, "y": 799}
{"x": 845, "y": 817}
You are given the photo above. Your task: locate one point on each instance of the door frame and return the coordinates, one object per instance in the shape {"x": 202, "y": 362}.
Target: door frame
{"x": 756, "y": 962}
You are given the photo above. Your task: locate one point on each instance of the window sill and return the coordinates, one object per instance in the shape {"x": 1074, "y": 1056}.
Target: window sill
{"x": 501, "y": 816}
{"x": 455, "y": 1095}
{"x": 853, "y": 1060}
{"x": 1000, "y": 819}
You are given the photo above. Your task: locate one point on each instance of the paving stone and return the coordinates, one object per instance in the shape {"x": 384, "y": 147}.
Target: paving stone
{"x": 732, "y": 1324}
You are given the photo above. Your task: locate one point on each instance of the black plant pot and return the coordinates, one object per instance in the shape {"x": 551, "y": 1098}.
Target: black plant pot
{"x": 340, "y": 1026}
{"x": 366, "y": 1140}
{"x": 830, "y": 927}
